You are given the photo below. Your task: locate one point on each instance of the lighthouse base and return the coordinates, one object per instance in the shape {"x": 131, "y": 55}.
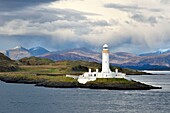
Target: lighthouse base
{"x": 92, "y": 76}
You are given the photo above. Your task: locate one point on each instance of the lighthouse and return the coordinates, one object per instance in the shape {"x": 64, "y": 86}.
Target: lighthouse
{"x": 105, "y": 59}
{"x": 105, "y": 73}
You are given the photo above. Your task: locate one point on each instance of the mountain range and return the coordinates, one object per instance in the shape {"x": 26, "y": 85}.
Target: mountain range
{"x": 21, "y": 52}
{"x": 159, "y": 52}
{"x": 158, "y": 60}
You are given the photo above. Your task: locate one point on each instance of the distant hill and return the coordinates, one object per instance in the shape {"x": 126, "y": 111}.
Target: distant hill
{"x": 159, "y": 52}
{"x": 6, "y": 64}
{"x": 17, "y": 53}
{"x": 35, "y": 61}
{"x": 72, "y": 54}
{"x": 36, "y": 51}
{"x": 86, "y": 55}
{"x": 154, "y": 60}
{"x": 119, "y": 57}
{"x": 122, "y": 59}
{"x": 20, "y": 52}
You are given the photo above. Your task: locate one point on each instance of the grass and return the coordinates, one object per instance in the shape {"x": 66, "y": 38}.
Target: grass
{"x": 35, "y": 61}
{"x": 60, "y": 67}
{"x": 112, "y": 81}
{"x": 6, "y": 64}
{"x": 39, "y": 69}
{"x": 70, "y": 67}
{"x": 33, "y": 78}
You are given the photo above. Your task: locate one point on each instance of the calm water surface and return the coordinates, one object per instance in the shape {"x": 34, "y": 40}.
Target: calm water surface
{"x": 21, "y": 98}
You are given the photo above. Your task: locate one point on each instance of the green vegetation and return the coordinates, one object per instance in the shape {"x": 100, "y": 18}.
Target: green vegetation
{"x": 36, "y": 61}
{"x": 80, "y": 68}
{"x": 77, "y": 66}
{"x": 60, "y": 67}
{"x": 19, "y": 77}
{"x": 6, "y": 64}
{"x": 83, "y": 66}
{"x": 32, "y": 78}
{"x": 112, "y": 81}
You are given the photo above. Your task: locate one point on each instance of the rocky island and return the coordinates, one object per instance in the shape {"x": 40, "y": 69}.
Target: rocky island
{"x": 43, "y": 72}
{"x": 65, "y": 82}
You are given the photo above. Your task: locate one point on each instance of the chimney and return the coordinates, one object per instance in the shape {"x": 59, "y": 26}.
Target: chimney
{"x": 116, "y": 70}
{"x": 97, "y": 70}
{"x": 89, "y": 70}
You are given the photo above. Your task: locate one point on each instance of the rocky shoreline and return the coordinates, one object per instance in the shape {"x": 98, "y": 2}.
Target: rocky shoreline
{"x": 122, "y": 84}
{"x": 118, "y": 86}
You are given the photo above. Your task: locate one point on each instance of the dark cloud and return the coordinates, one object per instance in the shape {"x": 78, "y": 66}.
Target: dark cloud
{"x": 23, "y": 40}
{"x": 29, "y": 41}
{"x": 132, "y": 8}
{"x": 44, "y": 15}
{"x": 122, "y": 7}
{"x": 12, "y": 5}
{"x": 52, "y": 19}
{"x": 100, "y": 23}
{"x": 140, "y": 18}
{"x": 165, "y": 1}
{"x": 156, "y": 10}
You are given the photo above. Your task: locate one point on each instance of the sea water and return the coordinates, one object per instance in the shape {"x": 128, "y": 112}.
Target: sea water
{"x": 22, "y": 98}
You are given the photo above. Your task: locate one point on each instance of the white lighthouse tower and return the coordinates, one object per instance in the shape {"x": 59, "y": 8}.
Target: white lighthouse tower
{"x": 105, "y": 59}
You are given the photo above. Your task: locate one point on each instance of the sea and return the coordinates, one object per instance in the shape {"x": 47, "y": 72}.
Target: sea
{"x": 27, "y": 98}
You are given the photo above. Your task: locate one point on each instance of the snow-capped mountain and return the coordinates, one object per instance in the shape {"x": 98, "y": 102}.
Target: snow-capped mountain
{"x": 3, "y": 51}
{"x": 36, "y": 51}
{"x": 159, "y": 52}
{"x": 17, "y": 53}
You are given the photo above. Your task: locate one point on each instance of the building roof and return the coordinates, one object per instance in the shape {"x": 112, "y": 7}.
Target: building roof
{"x": 105, "y": 45}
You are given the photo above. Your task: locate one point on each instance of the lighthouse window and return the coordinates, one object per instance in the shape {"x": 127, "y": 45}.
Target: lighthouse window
{"x": 105, "y": 48}
{"x": 105, "y": 61}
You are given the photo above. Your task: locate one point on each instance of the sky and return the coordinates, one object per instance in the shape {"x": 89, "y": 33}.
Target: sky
{"x": 135, "y": 26}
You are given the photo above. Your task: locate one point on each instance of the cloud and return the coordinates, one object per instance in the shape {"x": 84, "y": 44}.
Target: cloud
{"x": 140, "y": 18}
{"x": 165, "y": 1}
{"x": 131, "y": 7}
{"x": 47, "y": 21}
{"x": 132, "y": 27}
{"x": 12, "y": 5}
{"x": 123, "y": 7}
{"x": 39, "y": 15}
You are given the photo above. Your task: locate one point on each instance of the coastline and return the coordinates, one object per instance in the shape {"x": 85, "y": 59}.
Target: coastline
{"x": 64, "y": 82}
{"x": 118, "y": 86}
